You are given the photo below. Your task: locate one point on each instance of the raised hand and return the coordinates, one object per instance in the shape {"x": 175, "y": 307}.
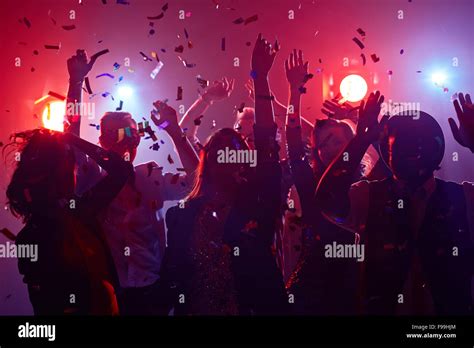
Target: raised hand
{"x": 78, "y": 65}
{"x": 168, "y": 116}
{"x": 368, "y": 125}
{"x": 263, "y": 56}
{"x": 219, "y": 90}
{"x": 296, "y": 70}
{"x": 345, "y": 111}
{"x": 464, "y": 134}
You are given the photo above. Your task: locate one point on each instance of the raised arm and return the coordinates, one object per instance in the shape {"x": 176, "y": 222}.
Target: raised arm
{"x": 118, "y": 172}
{"x": 182, "y": 144}
{"x": 464, "y": 134}
{"x": 219, "y": 90}
{"x": 333, "y": 190}
{"x": 78, "y": 68}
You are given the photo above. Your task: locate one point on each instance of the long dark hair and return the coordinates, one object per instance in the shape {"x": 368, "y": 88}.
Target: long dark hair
{"x": 41, "y": 152}
{"x": 219, "y": 139}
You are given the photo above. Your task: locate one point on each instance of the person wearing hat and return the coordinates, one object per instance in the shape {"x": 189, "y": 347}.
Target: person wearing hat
{"x": 416, "y": 228}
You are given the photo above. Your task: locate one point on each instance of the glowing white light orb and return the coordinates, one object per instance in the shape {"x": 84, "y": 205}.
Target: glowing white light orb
{"x": 125, "y": 92}
{"x": 353, "y": 88}
{"x": 439, "y": 78}
{"x": 53, "y": 116}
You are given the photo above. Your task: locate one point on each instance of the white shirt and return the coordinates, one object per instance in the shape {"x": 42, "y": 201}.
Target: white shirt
{"x": 134, "y": 223}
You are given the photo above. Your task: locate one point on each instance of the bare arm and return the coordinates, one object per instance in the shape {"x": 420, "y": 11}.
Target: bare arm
{"x": 333, "y": 190}
{"x": 219, "y": 90}
{"x": 182, "y": 144}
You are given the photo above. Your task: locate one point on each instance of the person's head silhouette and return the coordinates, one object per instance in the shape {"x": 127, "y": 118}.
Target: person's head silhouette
{"x": 412, "y": 146}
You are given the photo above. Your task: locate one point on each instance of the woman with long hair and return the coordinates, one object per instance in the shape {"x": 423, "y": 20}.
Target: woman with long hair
{"x": 74, "y": 273}
{"x": 219, "y": 260}
{"x": 320, "y": 285}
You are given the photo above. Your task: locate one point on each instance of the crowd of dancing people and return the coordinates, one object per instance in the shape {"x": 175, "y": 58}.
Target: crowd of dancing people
{"x": 354, "y": 178}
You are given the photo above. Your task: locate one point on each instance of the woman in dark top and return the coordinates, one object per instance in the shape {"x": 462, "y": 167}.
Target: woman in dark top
{"x": 218, "y": 260}
{"x": 74, "y": 273}
{"x": 320, "y": 285}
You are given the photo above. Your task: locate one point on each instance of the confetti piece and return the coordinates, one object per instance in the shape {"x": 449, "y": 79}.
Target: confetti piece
{"x": 156, "y": 70}
{"x": 27, "y": 22}
{"x": 105, "y": 74}
{"x": 213, "y": 124}
{"x": 253, "y": 74}
{"x": 165, "y": 7}
{"x": 248, "y": 43}
{"x": 307, "y": 77}
{"x": 190, "y": 44}
{"x": 223, "y": 44}
{"x": 445, "y": 90}
{"x": 116, "y": 66}
{"x": 202, "y": 82}
{"x": 251, "y": 19}
{"x": 123, "y": 2}
{"x": 161, "y": 15}
{"x": 363, "y": 58}
{"x": 35, "y": 52}
{"x": 358, "y": 42}
{"x": 98, "y": 54}
{"x": 179, "y": 49}
{"x": 68, "y": 27}
{"x": 127, "y": 131}
{"x": 180, "y": 93}
{"x": 418, "y": 71}
{"x": 7, "y": 233}
{"x": 197, "y": 121}
{"x": 241, "y": 107}
{"x": 52, "y": 47}
{"x": 96, "y": 126}
{"x": 32, "y": 69}
{"x": 374, "y": 57}
{"x": 186, "y": 64}
{"x": 401, "y": 51}
{"x": 170, "y": 160}
{"x": 120, "y": 106}
{"x": 88, "y": 85}
{"x": 151, "y": 32}
{"x": 361, "y": 32}
{"x": 180, "y": 169}
{"x": 390, "y": 72}
{"x": 151, "y": 133}
{"x": 302, "y": 90}
{"x": 238, "y": 21}
{"x": 56, "y": 95}
{"x": 155, "y": 147}
{"x": 121, "y": 77}
{"x": 186, "y": 34}
{"x": 145, "y": 57}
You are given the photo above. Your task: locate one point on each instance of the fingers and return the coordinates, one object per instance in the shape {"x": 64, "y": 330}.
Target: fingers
{"x": 455, "y": 131}
{"x": 300, "y": 57}
{"x": 294, "y": 60}
{"x": 231, "y": 85}
{"x": 287, "y": 68}
{"x": 462, "y": 100}
{"x": 459, "y": 112}
{"x": 225, "y": 83}
{"x": 468, "y": 99}
{"x": 327, "y": 113}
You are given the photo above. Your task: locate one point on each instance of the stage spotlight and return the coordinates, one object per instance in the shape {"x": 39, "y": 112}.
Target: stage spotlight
{"x": 439, "y": 78}
{"x": 353, "y": 88}
{"x": 125, "y": 92}
{"x": 53, "y": 116}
